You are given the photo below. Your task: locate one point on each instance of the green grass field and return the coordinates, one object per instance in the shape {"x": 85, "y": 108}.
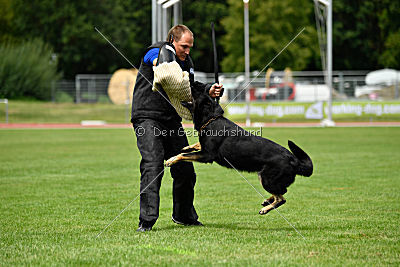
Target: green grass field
{"x": 60, "y": 188}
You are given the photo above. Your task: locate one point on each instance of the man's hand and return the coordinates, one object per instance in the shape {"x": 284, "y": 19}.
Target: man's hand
{"x": 216, "y": 90}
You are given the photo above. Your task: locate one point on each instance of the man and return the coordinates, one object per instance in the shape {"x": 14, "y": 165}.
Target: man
{"x": 152, "y": 115}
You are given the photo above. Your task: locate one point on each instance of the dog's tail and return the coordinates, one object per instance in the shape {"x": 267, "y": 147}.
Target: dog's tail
{"x": 305, "y": 167}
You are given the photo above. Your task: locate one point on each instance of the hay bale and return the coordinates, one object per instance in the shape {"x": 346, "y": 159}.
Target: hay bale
{"x": 120, "y": 87}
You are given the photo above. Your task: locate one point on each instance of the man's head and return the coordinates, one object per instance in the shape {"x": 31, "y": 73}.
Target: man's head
{"x": 182, "y": 40}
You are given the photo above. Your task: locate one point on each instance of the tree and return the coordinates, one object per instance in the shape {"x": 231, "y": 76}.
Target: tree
{"x": 272, "y": 25}
{"x": 198, "y": 15}
{"x": 389, "y": 21}
{"x": 27, "y": 69}
{"x": 366, "y": 34}
{"x": 69, "y": 27}
{"x": 6, "y": 17}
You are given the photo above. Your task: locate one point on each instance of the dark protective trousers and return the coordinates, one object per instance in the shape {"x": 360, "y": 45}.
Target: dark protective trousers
{"x": 158, "y": 141}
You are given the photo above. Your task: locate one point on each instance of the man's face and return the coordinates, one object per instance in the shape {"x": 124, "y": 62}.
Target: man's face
{"x": 182, "y": 47}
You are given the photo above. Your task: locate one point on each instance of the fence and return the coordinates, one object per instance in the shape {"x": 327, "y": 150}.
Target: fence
{"x": 299, "y": 86}
{"x": 91, "y": 88}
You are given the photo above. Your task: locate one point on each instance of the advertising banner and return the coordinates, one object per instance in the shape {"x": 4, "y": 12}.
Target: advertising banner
{"x": 316, "y": 110}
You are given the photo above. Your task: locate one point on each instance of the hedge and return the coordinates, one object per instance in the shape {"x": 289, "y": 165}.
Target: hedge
{"x": 27, "y": 70}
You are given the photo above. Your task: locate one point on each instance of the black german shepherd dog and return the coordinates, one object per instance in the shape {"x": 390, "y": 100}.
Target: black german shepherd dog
{"x": 230, "y": 146}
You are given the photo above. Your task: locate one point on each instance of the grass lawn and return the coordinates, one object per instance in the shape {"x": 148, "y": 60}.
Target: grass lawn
{"x": 60, "y": 188}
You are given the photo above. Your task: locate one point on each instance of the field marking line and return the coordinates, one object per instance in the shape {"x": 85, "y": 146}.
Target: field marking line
{"x": 132, "y": 65}
{"x": 267, "y": 200}
{"x": 130, "y": 203}
{"x": 294, "y": 38}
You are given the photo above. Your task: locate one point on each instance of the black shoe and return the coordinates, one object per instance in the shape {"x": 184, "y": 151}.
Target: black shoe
{"x": 194, "y": 223}
{"x": 143, "y": 229}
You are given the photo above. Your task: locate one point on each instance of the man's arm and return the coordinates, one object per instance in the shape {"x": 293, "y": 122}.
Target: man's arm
{"x": 157, "y": 55}
{"x": 151, "y": 56}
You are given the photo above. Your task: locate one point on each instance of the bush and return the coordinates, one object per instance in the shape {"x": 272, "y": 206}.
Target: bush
{"x": 27, "y": 70}
{"x": 63, "y": 97}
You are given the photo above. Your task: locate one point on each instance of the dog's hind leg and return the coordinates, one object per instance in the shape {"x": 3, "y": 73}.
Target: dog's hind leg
{"x": 274, "y": 180}
{"x": 268, "y": 201}
{"x": 278, "y": 200}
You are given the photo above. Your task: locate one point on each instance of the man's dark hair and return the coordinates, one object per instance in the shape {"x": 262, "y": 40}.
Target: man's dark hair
{"x": 177, "y": 31}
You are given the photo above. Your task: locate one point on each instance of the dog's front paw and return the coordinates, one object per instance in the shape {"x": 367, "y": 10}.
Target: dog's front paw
{"x": 171, "y": 161}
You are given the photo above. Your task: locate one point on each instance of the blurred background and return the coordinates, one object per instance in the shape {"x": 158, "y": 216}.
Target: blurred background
{"x": 55, "y": 66}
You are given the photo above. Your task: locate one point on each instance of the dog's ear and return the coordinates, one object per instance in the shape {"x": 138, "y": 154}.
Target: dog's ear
{"x": 188, "y": 105}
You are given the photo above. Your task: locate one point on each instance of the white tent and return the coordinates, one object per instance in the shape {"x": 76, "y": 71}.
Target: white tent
{"x": 383, "y": 77}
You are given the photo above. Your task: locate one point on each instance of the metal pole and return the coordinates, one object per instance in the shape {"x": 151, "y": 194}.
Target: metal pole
{"x": 6, "y": 102}
{"x": 77, "y": 90}
{"x": 164, "y": 23}
{"x": 153, "y": 21}
{"x": 160, "y": 19}
{"x": 176, "y": 13}
{"x": 180, "y": 16}
{"x": 341, "y": 83}
{"x": 159, "y": 22}
{"x": 247, "y": 59}
{"x": 329, "y": 67}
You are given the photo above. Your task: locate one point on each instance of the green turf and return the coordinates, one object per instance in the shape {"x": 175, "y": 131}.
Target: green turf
{"x": 60, "y": 188}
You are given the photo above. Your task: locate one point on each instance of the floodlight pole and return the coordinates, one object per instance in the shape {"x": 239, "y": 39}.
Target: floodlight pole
{"x": 328, "y": 4}
{"x": 178, "y": 13}
{"x": 247, "y": 59}
{"x": 161, "y": 17}
{"x": 165, "y": 19}
{"x": 159, "y": 22}
{"x": 329, "y": 67}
